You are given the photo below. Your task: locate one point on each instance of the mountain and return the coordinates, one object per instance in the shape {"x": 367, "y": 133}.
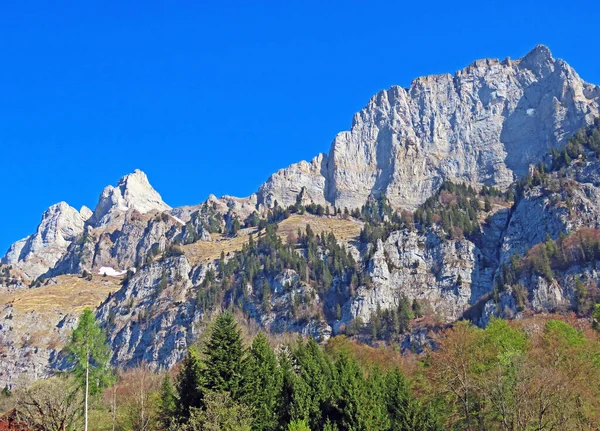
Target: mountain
{"x": 483, "y": 125}
{"x": 470, "y": 195}
{"x": 61, "y": 224}
{"x": 133, "y": 191}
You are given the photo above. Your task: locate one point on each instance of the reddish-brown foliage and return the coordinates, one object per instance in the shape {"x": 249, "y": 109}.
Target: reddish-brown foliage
{"x": 9, "y": 422}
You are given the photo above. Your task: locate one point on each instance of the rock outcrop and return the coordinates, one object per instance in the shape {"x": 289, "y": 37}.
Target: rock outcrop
{"x": 483, "y": 125}
{"x": 34, "y": 255}
{"x": 40, "y": 253}
{"x": 132, "y": 192}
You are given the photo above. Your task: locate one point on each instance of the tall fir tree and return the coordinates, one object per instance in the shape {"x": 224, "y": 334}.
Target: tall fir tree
{"x": 189, "y": 382}
{"x": 263, "y": 385}
{"x": 314, "y": 384}
{"x": 360, "y": 404}
{"x": 224, "y": 358}
{"x": 167, "y": 403}
{"x": 405, "y": 412}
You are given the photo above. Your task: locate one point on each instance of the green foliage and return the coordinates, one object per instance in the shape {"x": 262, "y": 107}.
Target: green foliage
{"x": 596, "y": 318}
{"x": 223, "y": 358}
{"x": 389, "y": 324}
{"x": 585, "y": 143}
{"x": 298, "y": 426}
{"x": 221, "y": 412}
{"x": 263, "y": 384}
{"x": 168, "y": 403}
{"x": 455, "y": 208}
{"x": 547, "y": 259}
{"x": 188, "y": 384}
{"x": 323, "y": 262}
{"x": 405, "y": 412}
{"x": 562, "y": 331}
{"x": 380, "y": 220}
{"x": 89, "y": 353}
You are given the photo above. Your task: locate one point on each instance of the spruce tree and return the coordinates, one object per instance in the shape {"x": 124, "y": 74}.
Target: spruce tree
{"x": 263, "y": 385}
{"x": 359, "y": 405}
{"x": 223, "y": 357}
{"x": 189, "y": 382}
{"x": 404, "y": 410}
{"x": 167, "y": 404}
{"x": 314, "y": 384}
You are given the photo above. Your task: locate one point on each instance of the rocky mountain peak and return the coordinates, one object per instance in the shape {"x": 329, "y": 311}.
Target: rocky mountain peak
{"x": 484, "y": 125}
{"x": 133, "y": 191}
{"x": 34, "y": 255}
{"x": 537, "y": 58}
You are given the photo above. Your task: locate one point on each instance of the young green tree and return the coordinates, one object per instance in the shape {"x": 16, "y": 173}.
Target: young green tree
{"x": 224, "y": 358}
{"x": 189, "y": 381}
{"x": 298, "y": 426}
{"x": 167, "y": 403}
{"x": 89, "y": 353}
{"x": 263, "y": 384}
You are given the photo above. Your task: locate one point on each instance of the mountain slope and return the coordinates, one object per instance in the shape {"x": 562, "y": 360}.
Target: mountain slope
{"x": 341, "y": 252}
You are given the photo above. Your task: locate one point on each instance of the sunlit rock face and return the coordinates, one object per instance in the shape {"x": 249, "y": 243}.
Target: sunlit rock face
{"x": 483, "y": 125}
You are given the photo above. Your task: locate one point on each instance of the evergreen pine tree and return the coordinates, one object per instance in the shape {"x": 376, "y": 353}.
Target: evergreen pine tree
{"x": 223, "y": 357}
{"x": 167, "y": 404}
{"x": 189, "y": 383}
{"x": 262, "y": 386}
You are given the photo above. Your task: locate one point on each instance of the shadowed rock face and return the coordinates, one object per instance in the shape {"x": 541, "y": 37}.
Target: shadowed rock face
{"x": 483, "y": 125}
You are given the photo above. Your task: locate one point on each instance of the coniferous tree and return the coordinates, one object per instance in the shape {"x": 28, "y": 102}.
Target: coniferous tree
{"x": 223, "y": 358}
{"x": 359, "y": 405}
{"x": 89, "y": 353}
{"x": 405, "y": 412}
{"x": 263, "y": 385}
{"x": 189, "y": 382}
{"x": 314, "y": 384}
{"x": 167, "y": 404}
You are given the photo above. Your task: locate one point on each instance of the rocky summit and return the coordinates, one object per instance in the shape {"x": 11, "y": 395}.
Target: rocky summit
{"x": 418, "y": 216}
{"x": 483, "y": 125}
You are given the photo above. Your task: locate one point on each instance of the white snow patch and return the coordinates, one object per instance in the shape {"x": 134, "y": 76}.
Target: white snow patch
{"x": 178, "y": 219}
{"x": 109, "y": 271}
{"x": 531, "y": 112}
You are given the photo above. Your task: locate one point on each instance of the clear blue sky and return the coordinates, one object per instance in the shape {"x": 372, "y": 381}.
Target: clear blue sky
{"x": 214, "y": 97}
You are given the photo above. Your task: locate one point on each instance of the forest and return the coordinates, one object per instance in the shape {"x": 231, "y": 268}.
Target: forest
{"x": 540, "y": 373}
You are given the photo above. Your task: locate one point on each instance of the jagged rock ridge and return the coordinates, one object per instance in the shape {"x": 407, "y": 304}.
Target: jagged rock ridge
{"x": 61, "y": 224}
{"x": 483, "y": 125}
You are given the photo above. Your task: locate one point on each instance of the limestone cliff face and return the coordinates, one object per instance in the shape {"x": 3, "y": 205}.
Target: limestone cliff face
{"x": 132, "y": 192}
{"x": 447, "y": 275}
{"x": 483, "y": 125}
{"x": 34, "y": 255}
{"x": 284, "y": 185}
{"x": 53, "y": 249}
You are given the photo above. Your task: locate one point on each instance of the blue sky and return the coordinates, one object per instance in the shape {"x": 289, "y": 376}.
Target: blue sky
{"x": 214, "y": 97}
